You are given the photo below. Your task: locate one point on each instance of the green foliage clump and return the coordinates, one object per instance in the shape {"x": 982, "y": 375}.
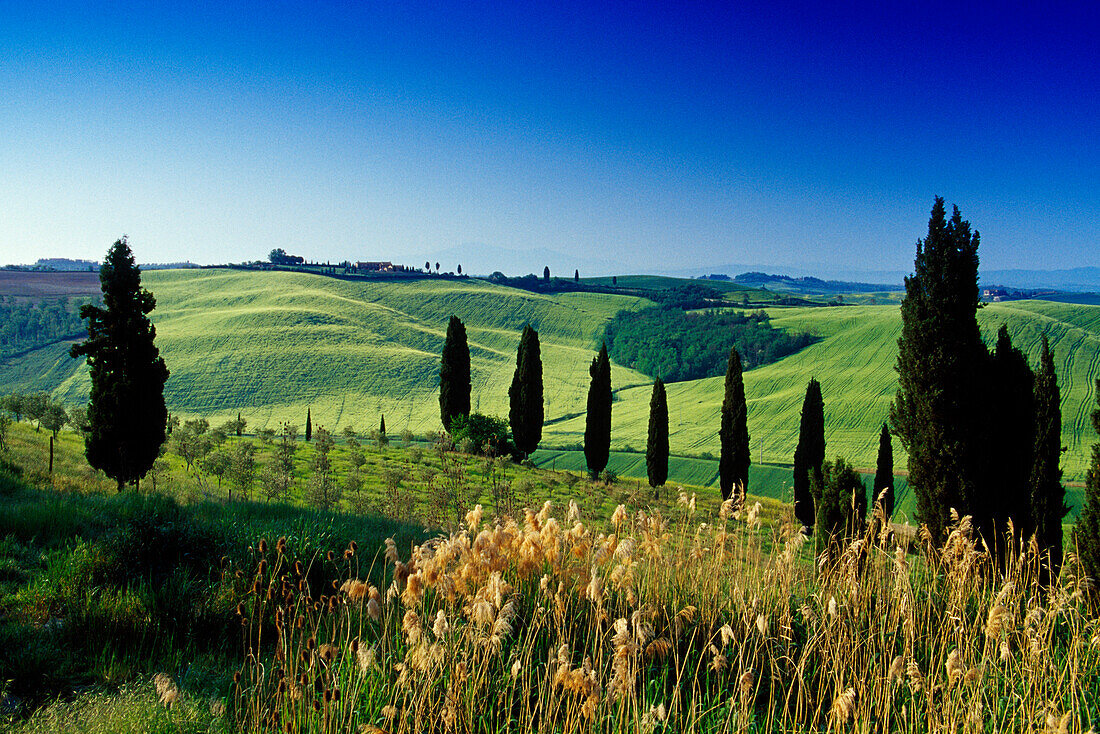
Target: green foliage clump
{"x": 938, "y": 407}
{"x": 1086, "y": 533}
{"x": 525, "y": 413}
{"x": 840, "y": 501}
{"x": 733, "y": 464}
{"x": 810, "y": 453}
{"x": 656, "y": 449}
{"x": 454, "y": 374}
{"x": 597, "y": 425}
{"x": 675, "y": 345}
{"x": 25, "y": 325}
{"x": 1048, "y": 496}
{"x": 485, "y": 434}
{"x": 126, "y": 412}
{"x": 884, "y": 474}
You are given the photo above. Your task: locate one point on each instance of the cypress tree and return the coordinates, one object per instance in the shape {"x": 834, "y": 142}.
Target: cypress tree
{"x": 1048, "y": 496}
{"x": 809, "y": 454}
{"x": 656, "y": 447}
{"x": 127, "y": 417}
{"x": 1007, "y": 443}
{"x": 546, "y": 273}
{"x": 884, "y": 474}
{"x": 240, "y": 424}
{"x": 576, "y": 276}
{"x": 309, "y": 425}
{"x": 937, "y": 409}
{"x": 1086, "y": 533}
{"x": 454, "y": 374}
{"x": 382, "y": 426}
{"x": 597, "y": 421}
{"x": 733, "y": 435}
{"x": 525, "y": 409}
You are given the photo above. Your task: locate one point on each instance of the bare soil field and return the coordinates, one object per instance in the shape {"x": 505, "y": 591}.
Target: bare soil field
{"x": 23, "y": 284}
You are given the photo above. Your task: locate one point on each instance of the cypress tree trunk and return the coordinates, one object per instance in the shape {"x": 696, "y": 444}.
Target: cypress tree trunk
{"x": 733, "y": 435}
{"x": 597, "y": 423}
{"x": 937, "y": 412}
{"x": 1086, "y": 533}
{"x": 454, "y": 374}
{"x": 525, "y": 408}
{"x": 1048, "y": 496}
{"x": 809, "y": 455}
{"x": 656, "y": 448}
{"x": 884, "y": 474}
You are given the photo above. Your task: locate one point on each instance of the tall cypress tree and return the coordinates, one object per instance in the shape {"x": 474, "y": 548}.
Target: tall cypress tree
{"x": 1048, "y": 496}
{"x": 733, "y": 434}
{"x": 809, "y": 454}
{"x": 1086, "y": 533}
{"x": 454, "y": 374}
{"x": 656, "y": 447}
{"x": 309, "y": 424}
{"x": 597, "y": 421}
{"x": 127, "y": 418}
{"x": 525, "y": 410}
{"x": 1007, "y": 443}
{"x": 940, "y": 355}
{"x": 884, "y": 474}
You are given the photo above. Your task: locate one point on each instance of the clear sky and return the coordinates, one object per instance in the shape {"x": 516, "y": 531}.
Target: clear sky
{"x": 645, "y": 135}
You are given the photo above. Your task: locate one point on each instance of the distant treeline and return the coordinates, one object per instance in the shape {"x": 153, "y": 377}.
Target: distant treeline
{"x": 676, "y": 345}
{"x": 28, "y": 325}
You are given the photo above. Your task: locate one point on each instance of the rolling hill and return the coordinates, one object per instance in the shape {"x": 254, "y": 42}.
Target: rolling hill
{"x": 269, "y": 344}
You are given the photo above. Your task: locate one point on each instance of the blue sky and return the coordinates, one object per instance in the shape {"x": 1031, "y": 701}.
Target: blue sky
{"x": 650, "y": 138}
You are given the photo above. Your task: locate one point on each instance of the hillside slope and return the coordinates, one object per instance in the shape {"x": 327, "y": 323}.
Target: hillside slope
{"x": 855, "y": 363}
{"x": 269, "y": 344}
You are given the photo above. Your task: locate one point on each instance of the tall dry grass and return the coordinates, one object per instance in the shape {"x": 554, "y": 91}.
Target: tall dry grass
{"x": 682, "y": 623}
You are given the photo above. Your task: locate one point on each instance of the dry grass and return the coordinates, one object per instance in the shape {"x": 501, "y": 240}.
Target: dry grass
{"x": 679, "y": 623}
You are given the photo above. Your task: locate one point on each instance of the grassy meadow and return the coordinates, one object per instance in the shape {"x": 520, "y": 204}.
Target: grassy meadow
{"x": 271, "y": 344}
{"x": 552, "y": 605}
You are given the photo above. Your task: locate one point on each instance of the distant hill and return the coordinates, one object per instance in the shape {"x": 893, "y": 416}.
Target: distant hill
{"x": 809, "y": 285}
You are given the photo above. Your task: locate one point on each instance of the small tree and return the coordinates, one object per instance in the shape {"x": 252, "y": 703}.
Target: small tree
{"x": 54, "y": 418}
{"x": 656, "y": 448}
{"x": 884, "y": 474}
{"x": 733, "y": 435}
{"x": 322, "y": 484}
{"x": 460, "y": 269}
{"x": 546, "y": 273}
{"x": 1048, "y": 496}
{"x": 35, "y": 406}
{"x": 5, "y": 422}
{"x": 525, "y": 408}
{"x": 216, "y": 464}
{"x": 597, "y": 423}
{"x": 240, "y": 426}
{"x": 454, "y": 374}
{"x": 383, "y": 440}
{"x": 242, "y": 467}
{"x": 1086, "y": 533}
{"x": 15, "y": 403}
{"x": 809, "y": 454}
{"x": 427, "y": 267}
{"x": 840, "y": 502}
{"x": 126, "y": 409}
{"x": 309, "y": 425}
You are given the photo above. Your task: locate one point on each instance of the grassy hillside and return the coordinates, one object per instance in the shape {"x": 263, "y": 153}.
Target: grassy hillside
{"x": 855, "y": 363}
{"x": 271, "y": 344}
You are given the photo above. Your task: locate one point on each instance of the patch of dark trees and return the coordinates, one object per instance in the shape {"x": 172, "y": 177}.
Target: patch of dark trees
{"x": 678, "y": 345}
{"x": 26, "y": 325}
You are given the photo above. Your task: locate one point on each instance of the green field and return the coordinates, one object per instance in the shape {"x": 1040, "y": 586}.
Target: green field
{"x": 271, "y": 344}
